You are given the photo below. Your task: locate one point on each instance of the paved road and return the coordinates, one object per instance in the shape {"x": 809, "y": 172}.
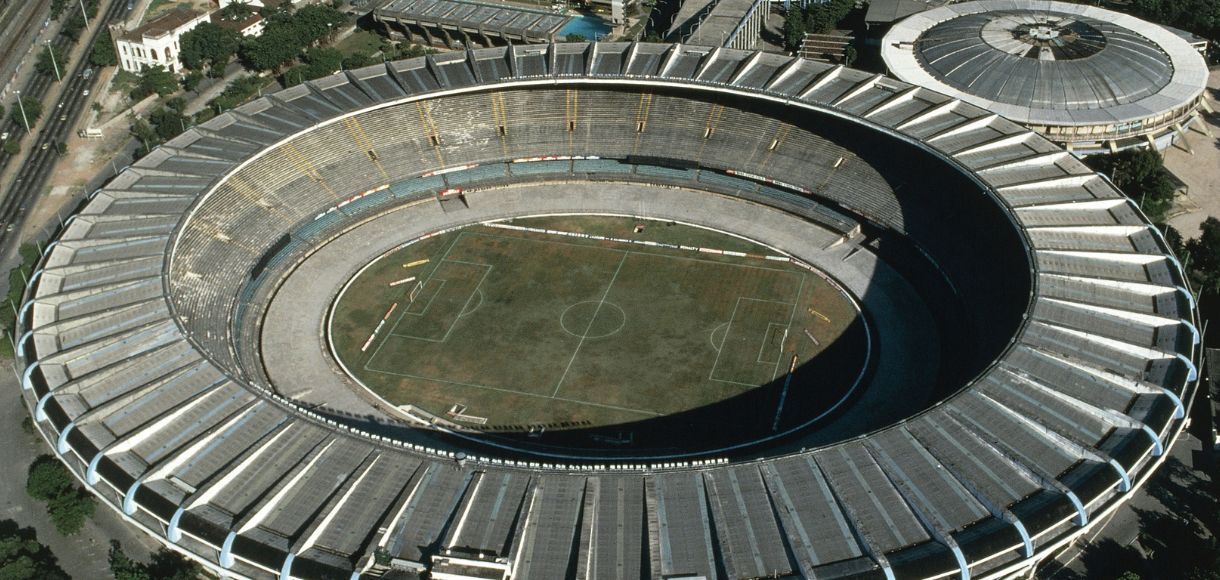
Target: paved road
{"x": 54, "y": 129}
{"x": 83, "y": 555}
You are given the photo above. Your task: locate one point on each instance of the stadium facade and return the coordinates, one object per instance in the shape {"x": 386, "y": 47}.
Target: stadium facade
{"x": 1088, "y": 78}
{"x": 149, "y": 368}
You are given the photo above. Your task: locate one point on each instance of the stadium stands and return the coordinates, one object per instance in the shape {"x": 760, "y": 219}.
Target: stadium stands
{"x": 140, "y": 328}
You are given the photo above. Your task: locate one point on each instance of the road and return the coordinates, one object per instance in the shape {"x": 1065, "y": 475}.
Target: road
{"x": 56, "y": 122}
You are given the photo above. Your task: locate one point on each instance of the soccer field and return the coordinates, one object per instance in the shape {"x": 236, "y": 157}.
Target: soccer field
{"x": 510, "y": 329}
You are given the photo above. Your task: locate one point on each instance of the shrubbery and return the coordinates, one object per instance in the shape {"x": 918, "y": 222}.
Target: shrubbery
{"x": 68, "y": 504}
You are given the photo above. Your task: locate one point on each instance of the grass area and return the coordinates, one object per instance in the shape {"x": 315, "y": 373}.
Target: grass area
{"x": 535, "y": 329}
{"x": 361, "y": 41}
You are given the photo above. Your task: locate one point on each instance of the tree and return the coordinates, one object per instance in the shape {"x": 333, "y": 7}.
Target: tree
{"x": 51, "y": 62}
{"x": 236, "y": 12}
{"x": 1141, "y": 175}
{"x": 317, "y": 21}
{"x": 154, "y": 80}
{"x": 167, "y": 123}
{"x": 191, "y": 81}
{"x": 165, "y": 565}
{"x": 102, "y": 53}
{"x": 287, "y": 33}
{"x": 573, "y": 37}
{"x": 123, "y": 567}
{"x": 47, "y": 479}
{"x": 208, "y": 45}
{"x": 794, "y": 29}
{"x": 358, "y": 60}
{"x": 23, "y": 558}
{"x": 849, "y": 55}
{"x": 12, "y": 147}
{"x": 70, "y": 511}
{"x": 57, "y": 8}
{"x": 68, "y": 504}
{"x": 1204, "y": 254}
{"x": 32, "y": 108}
{"x": 277, "y": 45}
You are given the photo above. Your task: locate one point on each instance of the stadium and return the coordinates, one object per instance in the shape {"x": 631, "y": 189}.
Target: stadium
{"x": 308, "y": 338}
{"x": 1090, "y": 79}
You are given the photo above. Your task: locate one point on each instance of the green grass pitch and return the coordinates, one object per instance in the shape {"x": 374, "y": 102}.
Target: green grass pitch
{"x": 530, "y": 329}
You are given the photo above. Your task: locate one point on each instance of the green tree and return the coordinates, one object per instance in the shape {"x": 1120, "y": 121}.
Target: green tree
{"x": 154, "y": 80}
{"x": 23, "y": 558}
{"x": 102, "y": 53}
{"x": 70, "y": 511}
{"x": 123, "y": 567}
{"x": 191, "y": 81}
{"x": 69, "y": 505}
{"x": 165, "y": 565}
{"x": 1204, "y": 253}
{"x": 167, "y": 123}
{"x": 849, "y": 55}
{"x": 1141, "y": 175}
{"x": 33, "y": 110}
{"x": 317, "y": 21}
{"x": 48, "y": 478}
{"x": 146, "y": 134}
{"x": 573, "y": 37}
{"x": 208, "y": 45}
{"x": 236, "y": 12}
{"x": 276, "y": 46}
{"x": 794, "y": 29}
{"x": 57, "y": 8}
{"x": 51, "y": 62}
{"x": 358, "y": 60}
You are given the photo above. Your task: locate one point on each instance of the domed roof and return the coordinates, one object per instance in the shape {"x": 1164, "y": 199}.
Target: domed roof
{"x": 1042, "y": 61}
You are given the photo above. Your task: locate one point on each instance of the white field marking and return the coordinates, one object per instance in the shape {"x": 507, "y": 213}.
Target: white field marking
{"x": 762, "y": 346}
{"x": 791, "y": 316}
{"x": 727, "y": 327}
{"x": 465, "y": 313}
{"x": 430, "y": 299}
{"x": 690, "y": 258}
{"x": 465, "y": 304}
{"x": 711, "y": 376}
{"x": 515, "y": 392}
{"x": 585, "y": 334}
{"x": 711, "y": 337}
{"x": 404, "y": 310}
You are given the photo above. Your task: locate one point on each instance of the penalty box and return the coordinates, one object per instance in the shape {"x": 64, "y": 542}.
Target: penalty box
{"x": 751, "y": 352}
{"x": 441, "y": 300}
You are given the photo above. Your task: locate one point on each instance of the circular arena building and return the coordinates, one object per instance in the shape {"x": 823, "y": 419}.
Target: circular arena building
{"x": 1085, "y": 77}
{"x": 953, "y": 349}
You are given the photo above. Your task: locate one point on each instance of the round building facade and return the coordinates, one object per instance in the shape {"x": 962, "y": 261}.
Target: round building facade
{"x": 1088, "y": 78}
{"x": 1033, "y": 338}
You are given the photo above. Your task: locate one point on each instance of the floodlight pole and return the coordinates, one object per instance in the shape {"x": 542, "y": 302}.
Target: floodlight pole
{"x": 54, "y": 65}
{"x": 83, "y": 13}
{"x": 21, "y": 106}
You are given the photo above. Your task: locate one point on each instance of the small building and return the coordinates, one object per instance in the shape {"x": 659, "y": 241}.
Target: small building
{"x": 155, "y": 43}
{"x": 251, "y": 25}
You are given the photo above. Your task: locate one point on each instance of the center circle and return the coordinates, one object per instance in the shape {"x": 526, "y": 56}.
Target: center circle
{"x": 516, "y": 332}
{"x": 592, "y": 319}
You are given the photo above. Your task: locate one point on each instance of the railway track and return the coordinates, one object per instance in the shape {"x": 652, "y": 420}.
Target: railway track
{"x": 57, "y": 121}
